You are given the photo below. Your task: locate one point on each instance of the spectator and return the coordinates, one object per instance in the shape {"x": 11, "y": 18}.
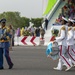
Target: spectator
{"x": 22, "y": 31}
{"x": 42, "y": 32}
{"x": 32, "y": 30}
{"x": 12, "y": 32}
{"x": 37, "y": 32}
{"x": 46, "y": 23}
{"x": 18, "y": 35}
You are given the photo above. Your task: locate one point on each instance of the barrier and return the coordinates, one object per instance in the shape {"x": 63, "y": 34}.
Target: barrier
{"x": 47, "y": 40}
{"x": 27, "y": 40}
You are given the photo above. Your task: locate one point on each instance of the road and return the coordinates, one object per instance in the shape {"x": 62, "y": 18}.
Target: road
{"x": 30, "y": 60}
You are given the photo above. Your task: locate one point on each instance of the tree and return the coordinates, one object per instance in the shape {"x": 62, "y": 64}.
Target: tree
{"x": 16, "y": 20}
{"x": 37, "y": 21}
{"x": 24, "y": 21}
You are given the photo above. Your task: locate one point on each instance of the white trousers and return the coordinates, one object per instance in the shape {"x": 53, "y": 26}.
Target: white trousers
{"x": 64, "y": 59}
{"x": 71, "y": 53}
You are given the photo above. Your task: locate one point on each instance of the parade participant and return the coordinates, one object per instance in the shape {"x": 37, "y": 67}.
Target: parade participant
{"x": 4, "y": 45}
{"x": 70, "y": 42}
{"x": 61, "y": 39}
{"x": 73, "y": 25}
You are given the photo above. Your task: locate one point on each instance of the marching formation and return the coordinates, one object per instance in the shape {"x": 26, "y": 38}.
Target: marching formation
{"x": 66, "y": 43}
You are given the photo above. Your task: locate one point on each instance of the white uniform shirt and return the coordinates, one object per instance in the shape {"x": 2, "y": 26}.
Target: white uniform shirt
{"x": 74, "y": 32}
{"x": 62, "y": 38}
{"x": 70, "y": 36}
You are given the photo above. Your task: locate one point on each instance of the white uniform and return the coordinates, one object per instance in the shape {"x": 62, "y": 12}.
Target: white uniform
{"x": 62, "y": 44}
{"x": 70, "y": 43}
{"x": 74, "y": 33}
{"x": 74, "y": 36}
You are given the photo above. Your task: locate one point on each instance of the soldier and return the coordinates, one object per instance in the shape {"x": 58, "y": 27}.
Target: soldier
{"x": 73, "y": 25}
{"x": 61, "y": 39}
{"x": 4, "y": 45}
{"x": 70, "y": 43}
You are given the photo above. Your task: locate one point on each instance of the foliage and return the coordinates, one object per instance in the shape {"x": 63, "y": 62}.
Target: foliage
{"x": 16, "y": 20}
{"x": 55, "y": 32}
{"x": 27, "y": 33}
{"x": 37, "y": 21}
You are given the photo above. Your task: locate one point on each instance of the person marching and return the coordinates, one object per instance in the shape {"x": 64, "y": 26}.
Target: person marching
{"x": 70, "y": 42}
{"x": 73, "y": 25}
{"x": 4, "y": 45}
{"x": 61, "y": 39}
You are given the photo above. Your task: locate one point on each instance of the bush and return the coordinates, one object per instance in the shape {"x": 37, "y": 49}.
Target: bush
{"x": 27, "y": 33}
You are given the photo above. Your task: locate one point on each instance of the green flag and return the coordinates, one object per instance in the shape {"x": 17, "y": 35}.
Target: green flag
{"x": 50, "y": 5}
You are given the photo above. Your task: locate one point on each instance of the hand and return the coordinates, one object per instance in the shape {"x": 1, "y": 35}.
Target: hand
{"x": 55, "y": 39}
{"x": 50, "y": 52}
{"x": 54, "y": 42}
{"x": 48, "y": 56}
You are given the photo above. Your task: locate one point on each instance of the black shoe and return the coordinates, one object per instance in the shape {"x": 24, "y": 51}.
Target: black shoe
{"x": 11, "y": 66}
{"x": 1, "y": 68}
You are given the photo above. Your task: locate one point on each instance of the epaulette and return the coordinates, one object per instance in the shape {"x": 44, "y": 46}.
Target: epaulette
{"x": 63, "y": 28}
{"x": 4, "y": 27}
{"x": 69, "y": 28}
{"x": 74, "y": 28}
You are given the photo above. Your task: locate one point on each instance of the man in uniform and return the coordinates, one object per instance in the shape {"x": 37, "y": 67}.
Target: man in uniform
{"x": 4, "y": 45}
{"x": 61, "y": 39}
{"x": 70, "y": 43}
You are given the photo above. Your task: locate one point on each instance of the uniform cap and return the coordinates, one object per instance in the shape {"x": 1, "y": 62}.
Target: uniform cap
{"x": 3, "y": 20}
{"x": 64, "y": 18}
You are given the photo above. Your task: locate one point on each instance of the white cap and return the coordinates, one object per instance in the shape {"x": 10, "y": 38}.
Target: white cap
{"x": 64, "y": 18}
{"x": 71, "y": 20}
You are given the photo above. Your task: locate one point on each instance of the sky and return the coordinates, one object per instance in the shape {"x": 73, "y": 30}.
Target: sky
{"x": 27, "y": 8}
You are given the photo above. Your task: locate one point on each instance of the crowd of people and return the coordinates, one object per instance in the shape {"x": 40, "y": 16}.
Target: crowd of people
{"x": 66, "y": 37}
{"x": 32, "y": 31}
{"x": 66, "y": 43}
{"x": 67, "y": 11}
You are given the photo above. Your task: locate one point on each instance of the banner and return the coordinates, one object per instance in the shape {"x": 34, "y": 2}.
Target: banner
{"x": 50, "y": 5}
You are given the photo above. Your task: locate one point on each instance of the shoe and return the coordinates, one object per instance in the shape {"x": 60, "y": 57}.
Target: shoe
{"x": 56, "y": 68}
{"x": 11, "y": 66}
{"x": 1, "y": 68}
{"x": 74, "y": 65}
{"x": 64, "y": 64}
{"x": 68, "y": 68}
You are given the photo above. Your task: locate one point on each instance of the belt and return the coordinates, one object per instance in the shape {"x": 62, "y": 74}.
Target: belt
{"x": 4, "y": 40}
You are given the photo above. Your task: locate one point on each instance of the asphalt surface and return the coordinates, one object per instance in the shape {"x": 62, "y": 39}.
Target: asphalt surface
{"x": 32, "y": 61}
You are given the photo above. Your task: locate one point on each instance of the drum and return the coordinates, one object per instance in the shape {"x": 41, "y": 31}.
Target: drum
{"x": 53, "y": 50}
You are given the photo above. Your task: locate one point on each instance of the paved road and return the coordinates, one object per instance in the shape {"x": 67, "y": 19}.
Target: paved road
{"x": 32, "y": 61}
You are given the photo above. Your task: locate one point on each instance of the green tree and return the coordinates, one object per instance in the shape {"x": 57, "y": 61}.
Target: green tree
{"x": 24, "y": 21}
{"x": 16, "y": 20}
{"x": 37, "y": 21}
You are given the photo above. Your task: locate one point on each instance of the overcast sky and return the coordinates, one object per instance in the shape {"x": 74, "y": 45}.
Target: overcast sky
{"x": 28, "y": 8}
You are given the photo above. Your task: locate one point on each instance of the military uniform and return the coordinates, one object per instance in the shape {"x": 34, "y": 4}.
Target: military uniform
{"x": 70, "y": 43}
{"x": 74, "y": 39}
{"x": 62, "y": 44}
{"x": 74, "y": 34}
{"x": 4, "y": 45}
